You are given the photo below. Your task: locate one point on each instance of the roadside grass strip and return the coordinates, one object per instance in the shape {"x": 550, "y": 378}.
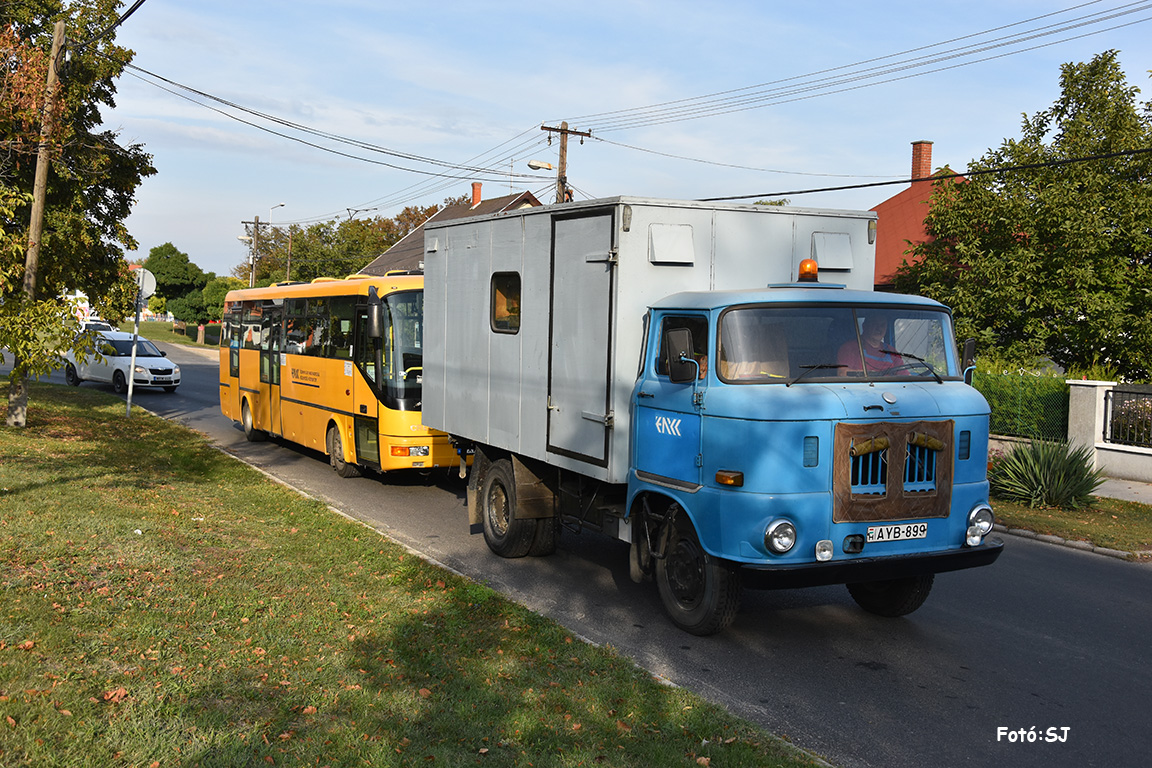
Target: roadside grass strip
{"x": 162, "y": 604}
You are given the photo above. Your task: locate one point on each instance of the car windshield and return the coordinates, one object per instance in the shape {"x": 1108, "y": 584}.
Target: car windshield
{"x": 774, "y": 344}
{"x": 144, "y": 348}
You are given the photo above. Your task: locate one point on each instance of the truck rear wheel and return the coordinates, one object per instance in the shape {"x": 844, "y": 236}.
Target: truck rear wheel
{"x": 895, "y": 597}
{"x": 700, "y": 593}
{"x": 504, "y": 534}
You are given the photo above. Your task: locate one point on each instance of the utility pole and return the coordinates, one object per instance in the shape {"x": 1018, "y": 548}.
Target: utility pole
{"x": 18, "y": 396}
{"x": 562, "y": 193}
{"x": 252, "y": 250}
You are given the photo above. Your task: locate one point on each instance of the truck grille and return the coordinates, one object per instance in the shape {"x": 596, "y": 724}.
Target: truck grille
{"x": 869, "y": 456}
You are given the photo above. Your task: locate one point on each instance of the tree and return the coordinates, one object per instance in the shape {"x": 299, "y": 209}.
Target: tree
{"x": 333, "y": 248}
{"x": 215, "y": 292}
{"x": 90, "y": 186}
{"x": 175, "y": 275}
{"x": 1054, "y": 260}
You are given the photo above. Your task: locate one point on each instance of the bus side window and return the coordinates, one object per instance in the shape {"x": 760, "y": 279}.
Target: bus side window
{"x": 316, "y": 330}
{"x": 340, "y": 340}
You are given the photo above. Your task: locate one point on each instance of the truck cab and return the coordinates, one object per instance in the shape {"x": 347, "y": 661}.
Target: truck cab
{"x": 802, "y": 435}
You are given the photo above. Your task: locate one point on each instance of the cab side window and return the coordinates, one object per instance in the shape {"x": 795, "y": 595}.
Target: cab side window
{"x": 698, "y": 326}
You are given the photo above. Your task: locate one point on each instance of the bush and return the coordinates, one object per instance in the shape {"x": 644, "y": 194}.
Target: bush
{"x": 1044, "y": 473}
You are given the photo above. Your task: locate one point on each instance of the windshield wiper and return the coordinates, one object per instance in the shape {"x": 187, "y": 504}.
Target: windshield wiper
{"x": 920, "y": 360}
{"x": 809, "y": 368}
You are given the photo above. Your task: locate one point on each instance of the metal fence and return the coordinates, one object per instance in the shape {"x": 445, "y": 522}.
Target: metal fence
{"x": 1034, "y": 407}
{"x": 1128, "y": 417}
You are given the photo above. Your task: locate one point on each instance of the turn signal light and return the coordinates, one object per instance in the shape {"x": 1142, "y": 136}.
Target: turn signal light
{"x": 730, "y": 477}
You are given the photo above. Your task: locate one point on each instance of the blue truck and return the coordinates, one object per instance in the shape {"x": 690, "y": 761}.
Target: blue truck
{"x": 719, "y": 387}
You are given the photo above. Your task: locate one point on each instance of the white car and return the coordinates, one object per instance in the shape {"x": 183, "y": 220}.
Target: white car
{"x": 153, "y": 368}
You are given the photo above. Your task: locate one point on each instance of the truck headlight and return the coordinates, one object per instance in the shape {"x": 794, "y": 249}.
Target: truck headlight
{"x": 981, "y": 518}
{"x": 980, "y": 521}
{"x": 780, "y": 536}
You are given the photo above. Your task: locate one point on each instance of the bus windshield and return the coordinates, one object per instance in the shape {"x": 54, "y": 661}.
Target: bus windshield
{"x": 774, "y": 344}
{"x": 404, "y": 354}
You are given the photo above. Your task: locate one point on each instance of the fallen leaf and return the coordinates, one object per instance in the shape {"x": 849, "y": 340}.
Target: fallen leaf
{"x": 704, "y": 761}
{"x": 623, "y": 726}
{"x": 484, "y": 750}
{"x": 424, "y": 692}
{"x": 11, "y": 721}
{"x": 27, "y": 645}
{"x": 309, "y": 710}
{"x": 116, "y": 695}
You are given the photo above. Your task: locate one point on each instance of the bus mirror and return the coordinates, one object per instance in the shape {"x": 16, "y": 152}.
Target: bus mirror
{"x": 682, "y": 367}
{"x": 968, "y": 360}
{"x": 375, "y": 321}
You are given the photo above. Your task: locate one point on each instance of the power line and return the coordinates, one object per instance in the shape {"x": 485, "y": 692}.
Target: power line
{"x": 811, "y": 85}
{"x": 936, "y": 177}
{"x": 316, "y": 132}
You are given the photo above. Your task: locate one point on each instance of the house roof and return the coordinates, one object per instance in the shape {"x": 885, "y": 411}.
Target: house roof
{"x": 408, "y": 252}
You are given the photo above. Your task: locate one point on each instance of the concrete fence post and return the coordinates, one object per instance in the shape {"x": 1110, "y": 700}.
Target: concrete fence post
{"x": 1086, "y": 414}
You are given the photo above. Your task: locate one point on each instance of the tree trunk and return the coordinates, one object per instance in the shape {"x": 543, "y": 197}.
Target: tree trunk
{"x": 17, "y": 396}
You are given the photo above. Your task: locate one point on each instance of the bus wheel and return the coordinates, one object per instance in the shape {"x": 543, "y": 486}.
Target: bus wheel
{"x": 504, "y": 534}
{"x": 700, "y": 593}
{"x": 251, "y": 434}
{"x": 336, "y": 455}
{"x": 896, "y": 597}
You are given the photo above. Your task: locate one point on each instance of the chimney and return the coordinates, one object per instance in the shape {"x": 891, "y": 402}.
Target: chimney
{"x": 476, "y": 190}
{"x": 921, "y": 160}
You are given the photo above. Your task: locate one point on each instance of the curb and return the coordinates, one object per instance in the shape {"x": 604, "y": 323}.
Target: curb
{"x": 1084, "y": 546}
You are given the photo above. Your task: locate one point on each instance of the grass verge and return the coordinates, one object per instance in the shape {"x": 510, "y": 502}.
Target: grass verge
{"x": 164, "y": 605}
{"x": 154, "y": 330}
{"x": 1111, "y": 523}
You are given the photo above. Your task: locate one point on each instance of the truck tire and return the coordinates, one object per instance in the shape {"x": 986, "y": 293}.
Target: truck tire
{"x": 896, "y": 597}
{"x": 700, "y": 593}
{"x": 336, "y": 455}
{"x": 547, "y": 537}
{"x": 504, "y": 534}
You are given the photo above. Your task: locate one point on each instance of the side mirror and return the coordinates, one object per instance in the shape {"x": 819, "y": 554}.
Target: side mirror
{"x": 968, "y": 360}
{"x": 682, "y": 367}
{"x": 375, "y": 315}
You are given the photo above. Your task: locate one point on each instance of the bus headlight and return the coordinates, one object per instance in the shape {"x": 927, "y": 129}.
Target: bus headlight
{"x": 780, "y": 536}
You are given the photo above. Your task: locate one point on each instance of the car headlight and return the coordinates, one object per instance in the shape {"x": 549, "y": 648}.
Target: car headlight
{"x": 780, "y": 536}
{"x": 140, "y": 369}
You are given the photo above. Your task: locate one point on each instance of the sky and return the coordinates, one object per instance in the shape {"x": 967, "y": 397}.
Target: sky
{"x": 460, "y": 90}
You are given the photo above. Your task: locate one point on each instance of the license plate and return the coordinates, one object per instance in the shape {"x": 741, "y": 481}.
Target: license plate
{"x": 878, "y": 533}
{"x": 162, "y": 379}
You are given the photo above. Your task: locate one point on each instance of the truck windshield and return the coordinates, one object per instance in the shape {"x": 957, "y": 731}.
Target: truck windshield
{"x": 786, "y": 344}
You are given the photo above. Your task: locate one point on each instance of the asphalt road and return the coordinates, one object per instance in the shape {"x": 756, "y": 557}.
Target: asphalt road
{"x": 1049, "y": 640}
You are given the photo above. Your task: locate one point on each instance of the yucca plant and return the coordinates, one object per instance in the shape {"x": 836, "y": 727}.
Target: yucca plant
{"x": 1044, "y": 473}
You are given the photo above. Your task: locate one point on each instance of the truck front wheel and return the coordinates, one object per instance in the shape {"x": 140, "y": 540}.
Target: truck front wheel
{"x": 895, "y": 597}
{"x": 504, "y": 534}
{"x": 700, "y": 593}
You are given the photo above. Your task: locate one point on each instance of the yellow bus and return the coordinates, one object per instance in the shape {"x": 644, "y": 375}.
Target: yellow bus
{"x": 333, "y": 365}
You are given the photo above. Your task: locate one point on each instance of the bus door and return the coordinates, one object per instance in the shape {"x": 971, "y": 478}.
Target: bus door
{"x": 368, "y": 357}
{"x": 270, "y": 347}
